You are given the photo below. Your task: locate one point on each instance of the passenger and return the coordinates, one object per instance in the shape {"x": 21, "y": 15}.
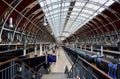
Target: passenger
{"x": 98, "y": 53}
{"x": 77, "y": 77}
{"x": 53, "y": 50}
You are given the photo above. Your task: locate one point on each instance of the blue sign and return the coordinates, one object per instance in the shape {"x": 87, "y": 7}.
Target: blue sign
{"x": 51, "y": 58}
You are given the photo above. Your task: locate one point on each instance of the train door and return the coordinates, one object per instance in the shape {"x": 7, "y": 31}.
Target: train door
{"x": 112, "y": 70}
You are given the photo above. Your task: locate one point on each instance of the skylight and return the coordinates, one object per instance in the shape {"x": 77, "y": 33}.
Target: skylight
{"x": 70, "y": 15}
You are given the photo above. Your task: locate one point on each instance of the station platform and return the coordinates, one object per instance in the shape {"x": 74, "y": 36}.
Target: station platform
{"x": 57, "y": 69}
{"x": 62, "y": 62}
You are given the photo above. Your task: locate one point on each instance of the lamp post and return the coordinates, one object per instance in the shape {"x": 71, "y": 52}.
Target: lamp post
{"x": 11, "y": 22}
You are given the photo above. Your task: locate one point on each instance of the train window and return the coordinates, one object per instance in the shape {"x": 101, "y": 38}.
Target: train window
{"x": 111, "y": 70}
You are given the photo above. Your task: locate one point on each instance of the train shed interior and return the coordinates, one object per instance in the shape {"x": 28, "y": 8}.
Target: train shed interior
{"x": 59, "y": 39}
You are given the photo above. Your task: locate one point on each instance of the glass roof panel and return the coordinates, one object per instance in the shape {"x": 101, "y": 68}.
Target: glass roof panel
{"x": 70, "y": 15}
{"x": 109, "y": 2}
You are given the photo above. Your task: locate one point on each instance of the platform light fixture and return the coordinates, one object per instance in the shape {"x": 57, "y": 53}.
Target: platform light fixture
{"x": 11, "y": 21}
{"x": 44, "y": 21}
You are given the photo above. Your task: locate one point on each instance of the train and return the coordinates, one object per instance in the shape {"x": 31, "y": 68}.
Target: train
{"x": 108, "y": 65}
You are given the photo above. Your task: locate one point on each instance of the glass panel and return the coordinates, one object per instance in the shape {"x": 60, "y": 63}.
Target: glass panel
{"x": 56, "y": 13}
{"x": 109, "y": 2}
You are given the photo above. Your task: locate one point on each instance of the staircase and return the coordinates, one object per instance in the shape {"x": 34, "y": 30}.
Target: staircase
{"x": 54, "y": 76}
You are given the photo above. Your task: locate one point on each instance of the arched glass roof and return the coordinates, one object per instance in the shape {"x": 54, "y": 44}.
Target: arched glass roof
{"x": 70, "y": 15}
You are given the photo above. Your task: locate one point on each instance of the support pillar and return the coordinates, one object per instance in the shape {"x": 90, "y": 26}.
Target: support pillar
{"x": 102, "y": 50}
{"x": 44, "y": 48}
{"x": 73, "y": 45}
{"x": 81, "y": 47}
{"x": 50, "y": 46}
{"x": 76, "y": 46}
{"x": 0, "y": 38}
{"x": 40, "y": 49}
{"x": 91, "y": 48}
{"x": 24, "y": 48}
{"x": 16, "y": 47}
{"x": 85, "y": 47}
{"x": 35, "y": 49}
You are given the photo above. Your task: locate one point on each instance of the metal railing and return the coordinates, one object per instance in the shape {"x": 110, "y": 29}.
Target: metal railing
{"x": 16, "y": 69}
{"x": 79, "y": 71}
{"x": 84, "y": 70}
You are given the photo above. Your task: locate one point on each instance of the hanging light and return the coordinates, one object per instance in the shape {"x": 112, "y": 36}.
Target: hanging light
{"x": 10, "y": 21}
{"x": 44, "y": 22}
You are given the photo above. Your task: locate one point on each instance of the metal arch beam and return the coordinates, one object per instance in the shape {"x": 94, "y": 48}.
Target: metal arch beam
{"x": 27, "y": 22}
{"x": 30, "y": 6}
{"x": 70, "y": 18}
{"x": 94, "y": 23}
{"x": 10, "y": 12}
{"x": 84, "y": 29}
{"x": 75, "y": 17}
{"x": 39, "y": 32}
{"x": 86, "y": 8}
{"x": 89, "y": 25}
{"x": 24, "y": 12}
{"x": 97, "y": 26}
{"x": 94, "y": 26}
{"x": 81, "y": 30}
{"x": 114, "y": 13}
{"x": 25, "y": 17}
{"x": 107, "y": 19}
{"x": 21, "y": 17}
{"x": 66, "y": 12}
{"x": 39, "y": 16}
{"x": 102, "y": 23}
{"x": 92, "y": 33}
{"x": 112, "y": 23}
{"x": 59, "y": 2}
{"x": 31, "y": 26}
{"x": 24, "y": 24}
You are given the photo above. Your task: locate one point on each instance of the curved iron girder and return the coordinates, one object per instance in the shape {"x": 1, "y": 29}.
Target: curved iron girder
{"x": 30, "y": 6}
{"x": 102, "y": 23}
{"x": 59, "y": 2}
{"x": 106, "y": 19}
{"x": 114, "y": 13}
{"x": 54, "y": 14}
{"x": 33, "y": 20}
{"x": 26, "y": 23}
{"x": 23, "y": 32}
{"x": 94, "y": 26}
{"x": 90, "y": 33}
{"x": 112, "y": 23}
{"x": 10, "y": 10}
{"x": 89, "y": 25}
{"x": 97, "y": 10}
{"x": 97, "y": 27}
{"x": 27, "y": 19}
{"x": 109, "y": 20}
{"x": 30, "y": 17}
{"x": 31, "y": 26}
{"x": 24, "y": 12}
